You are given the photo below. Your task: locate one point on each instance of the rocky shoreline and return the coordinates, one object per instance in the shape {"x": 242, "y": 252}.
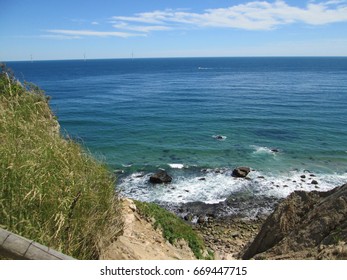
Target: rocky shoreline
{"x": 247, "y": 225}
{"x": 305, "y": 225}
{"x": 228, "y": 236}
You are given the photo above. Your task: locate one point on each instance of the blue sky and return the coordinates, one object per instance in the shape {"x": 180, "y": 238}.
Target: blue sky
{"x": 68, "y": 29}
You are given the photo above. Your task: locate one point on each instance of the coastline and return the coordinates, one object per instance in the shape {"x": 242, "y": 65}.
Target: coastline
{"x": 306, "y": 225}
{"x": 216, "y": 192}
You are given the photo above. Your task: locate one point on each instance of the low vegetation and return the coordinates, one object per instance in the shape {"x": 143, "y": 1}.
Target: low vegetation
{"x": 174, "y": 228}
{"x": 51, "y": 190}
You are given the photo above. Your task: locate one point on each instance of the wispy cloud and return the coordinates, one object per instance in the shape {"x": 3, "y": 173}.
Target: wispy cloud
{"x": 58, "y": 36}
{"x": 92, "y": 33}
{"x": 255, "y": 15}
{"x": 142, "y": 28}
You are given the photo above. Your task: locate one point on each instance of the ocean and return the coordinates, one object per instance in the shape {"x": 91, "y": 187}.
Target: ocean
{"x": 199, "y": 118}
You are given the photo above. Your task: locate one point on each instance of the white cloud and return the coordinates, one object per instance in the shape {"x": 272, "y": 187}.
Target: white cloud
{"x": 256, "y": 15}
{"x": 84, "y": 33}
{"x": 253, "y": 15}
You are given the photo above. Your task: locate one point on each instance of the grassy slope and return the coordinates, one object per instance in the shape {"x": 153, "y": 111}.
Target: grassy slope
{"x": 51, "y": 190}
{"x": 174, "y": 228}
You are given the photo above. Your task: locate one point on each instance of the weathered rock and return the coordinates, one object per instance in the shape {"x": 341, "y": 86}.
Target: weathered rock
{"x": 160, "y": 177}
{"x": 301, "y": 224}
{"x": 314, "y": 182}
{"x": 201, "y": 220}
{"x": 241, "y": 171}
{"x": 188, "y": 217}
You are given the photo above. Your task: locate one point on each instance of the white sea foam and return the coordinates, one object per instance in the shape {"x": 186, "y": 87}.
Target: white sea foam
{"x": 176, "y": 165}
{"x": 212, "y": 187}
{"x": 263, "y": 150}
{"x": 204, "y": 68}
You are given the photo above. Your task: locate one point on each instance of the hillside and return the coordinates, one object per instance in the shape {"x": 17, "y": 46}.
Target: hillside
{"x": 51, "y": 190}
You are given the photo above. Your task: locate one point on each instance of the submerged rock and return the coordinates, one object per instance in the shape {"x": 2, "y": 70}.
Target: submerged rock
{"x": 241, "y": 171}
{"x": 160, "y": 177}
{"x": 219, "y": 137}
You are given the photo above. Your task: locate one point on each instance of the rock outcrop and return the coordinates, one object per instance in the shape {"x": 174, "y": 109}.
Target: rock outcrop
{"x": 160, "y": 177}
{"x": 306, "y": 225}
{"x": 241, "y": 171}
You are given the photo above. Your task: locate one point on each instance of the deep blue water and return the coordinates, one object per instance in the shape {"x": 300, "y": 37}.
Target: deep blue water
{"x": 142, "y": 114}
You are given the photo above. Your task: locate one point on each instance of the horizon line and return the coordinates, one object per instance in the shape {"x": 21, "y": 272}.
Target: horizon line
{"x": 178, "y": 57}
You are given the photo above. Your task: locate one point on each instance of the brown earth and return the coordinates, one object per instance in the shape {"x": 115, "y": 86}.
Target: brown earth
{"x": 140, "y": 241}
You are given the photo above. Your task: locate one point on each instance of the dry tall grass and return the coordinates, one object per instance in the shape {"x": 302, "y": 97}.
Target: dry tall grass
{"x": 51, "y": 190}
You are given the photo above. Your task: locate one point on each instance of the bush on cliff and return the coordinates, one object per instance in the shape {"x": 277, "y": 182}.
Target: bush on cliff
{"x": 51, "y": 190}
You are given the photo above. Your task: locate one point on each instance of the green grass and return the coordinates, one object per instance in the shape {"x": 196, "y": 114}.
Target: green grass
{"x": 51, "y": 190}
{"x": 173, "y": 228}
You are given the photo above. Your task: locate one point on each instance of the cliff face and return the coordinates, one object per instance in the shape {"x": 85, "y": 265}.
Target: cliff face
{"x": 304, "y": 226}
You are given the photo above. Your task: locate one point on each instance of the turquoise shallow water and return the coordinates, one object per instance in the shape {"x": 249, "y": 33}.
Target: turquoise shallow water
{"x": 143, "y": 114}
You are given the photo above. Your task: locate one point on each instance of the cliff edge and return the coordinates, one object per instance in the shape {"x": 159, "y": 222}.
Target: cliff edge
{"x": 306, "y": 225}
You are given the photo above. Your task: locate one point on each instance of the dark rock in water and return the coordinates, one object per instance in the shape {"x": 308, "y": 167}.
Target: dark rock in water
{"x": 160, "y": 177}
{"x": 275, "y": 150}
{"x": 219, "y": 137}
{"x": 314, "y": 182}
{"x": 303, "y": 176}
{"x": 241, "y": 171}
{"x": 302, "y": 225}
{"x": 201, "y": 220}
{"x": 202, "y": 179}
{"x": 188, "y": 217}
